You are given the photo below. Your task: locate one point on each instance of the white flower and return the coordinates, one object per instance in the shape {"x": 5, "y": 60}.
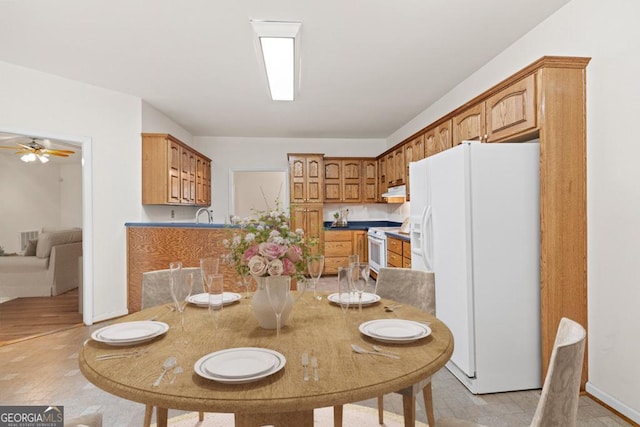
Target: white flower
{"x": 237, "y": 240}
{"x": 225, "y": 243}
{"x": 250, "y": 237}
{"x": 257, "y": 265}
{"x": 275, "y": 268}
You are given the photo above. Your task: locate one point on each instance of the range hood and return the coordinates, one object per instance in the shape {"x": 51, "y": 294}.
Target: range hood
{"x": 396, "y": 194}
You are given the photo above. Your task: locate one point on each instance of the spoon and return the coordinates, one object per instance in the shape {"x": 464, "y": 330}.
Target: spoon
{"x": 166, "y": 366}
{"x": 390, "y": 308}
{"x": 381, "y": 350}
{"x": 176, "y": 371}
{"x": 361, "y": 350}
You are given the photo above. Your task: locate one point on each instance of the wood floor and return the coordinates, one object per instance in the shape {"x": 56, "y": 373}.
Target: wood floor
{"x": 28, "y": 317}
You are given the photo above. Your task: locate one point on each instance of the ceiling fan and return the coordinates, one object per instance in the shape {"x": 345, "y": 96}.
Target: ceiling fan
{"x": 32, "y": 151}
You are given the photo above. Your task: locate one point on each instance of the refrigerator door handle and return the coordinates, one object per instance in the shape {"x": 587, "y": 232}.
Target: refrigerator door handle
{"x": 425, "y": 242}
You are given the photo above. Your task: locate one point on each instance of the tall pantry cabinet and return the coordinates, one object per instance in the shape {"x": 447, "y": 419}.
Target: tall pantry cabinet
{"x": 306, "y": 183}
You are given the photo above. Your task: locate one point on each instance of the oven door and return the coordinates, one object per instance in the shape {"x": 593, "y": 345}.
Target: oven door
{"x": 377, "y": 252}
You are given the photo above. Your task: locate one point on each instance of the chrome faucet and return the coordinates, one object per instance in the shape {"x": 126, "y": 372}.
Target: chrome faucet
{"x": 209, "y": 216}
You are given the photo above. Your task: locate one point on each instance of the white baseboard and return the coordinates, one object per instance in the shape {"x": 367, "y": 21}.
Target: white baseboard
{"x": 625, "y": 410}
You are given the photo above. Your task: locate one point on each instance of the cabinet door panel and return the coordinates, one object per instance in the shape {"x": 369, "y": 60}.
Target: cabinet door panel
{"x": 512, "y": 110}
{"x": 469, "y": 125}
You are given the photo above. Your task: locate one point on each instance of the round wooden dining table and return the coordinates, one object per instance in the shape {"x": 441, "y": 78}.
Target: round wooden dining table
{"x": 316, "y": 327}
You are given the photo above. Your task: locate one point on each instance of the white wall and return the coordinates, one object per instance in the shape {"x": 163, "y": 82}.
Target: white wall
{"x": 609, "y": 33}
{"x": 268, "y": 153}
{"x": 38, "y": 103}
{"x": 36, "y": 195}
{"x": 70, "y": 195}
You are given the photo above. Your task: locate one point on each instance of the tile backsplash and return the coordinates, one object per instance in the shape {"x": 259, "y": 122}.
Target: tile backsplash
{"x": 369, "y": 212}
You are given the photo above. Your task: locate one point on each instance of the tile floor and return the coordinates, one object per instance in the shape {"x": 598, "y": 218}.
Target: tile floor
{"x": 44, "y": 371}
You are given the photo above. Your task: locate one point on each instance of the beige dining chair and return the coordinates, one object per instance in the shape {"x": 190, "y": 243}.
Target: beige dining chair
{"x": 156, "y": 291}
{"x": 416, "y": 288}
{"x": 558, "y": 404}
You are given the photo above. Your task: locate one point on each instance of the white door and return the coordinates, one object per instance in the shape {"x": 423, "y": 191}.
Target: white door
{"x": 452, "y": 258}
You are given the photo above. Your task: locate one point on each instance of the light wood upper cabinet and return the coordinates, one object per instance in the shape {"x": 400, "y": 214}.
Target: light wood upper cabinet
{"x": 170, "y": 174}
{"x": 438, "y": 138}
{"x": 332, "y": 181}
{"x": 306, "y": 172}
{"x": 413, "y": 151}
{"x": 383, "y": 184}
{"x": 469, "y": 124}
{"x": 343, "y": 180}
{"x": 203, "y": 181}
{"x": 369, "y": 181}
{"x": 399, "y": 168}
{"x": 511, "y": 111}
{"x": 352, "y": 180}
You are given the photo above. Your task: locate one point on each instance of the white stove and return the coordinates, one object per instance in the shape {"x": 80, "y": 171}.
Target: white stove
{"x": 377, "y": 237}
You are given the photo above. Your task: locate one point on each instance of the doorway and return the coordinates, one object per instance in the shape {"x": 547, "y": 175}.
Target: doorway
{"x": 82, "y": 146}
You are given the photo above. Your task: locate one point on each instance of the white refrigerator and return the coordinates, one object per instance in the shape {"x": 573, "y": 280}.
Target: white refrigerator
{"x": 475, "y": 222}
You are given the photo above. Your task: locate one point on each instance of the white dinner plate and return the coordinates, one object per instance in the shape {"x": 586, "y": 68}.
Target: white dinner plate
{"x": 202, "y": 300}
{"x": 395, "y": 330}
{"x": 128, "y": 333}
{"x": 367, "y": 299}
{"x": 220, "y": 366}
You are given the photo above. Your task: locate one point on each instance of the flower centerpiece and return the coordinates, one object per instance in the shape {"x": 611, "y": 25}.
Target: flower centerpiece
{"x": 265, "y": 245}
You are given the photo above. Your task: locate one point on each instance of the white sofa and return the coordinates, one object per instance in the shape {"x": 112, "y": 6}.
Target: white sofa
{"x": 53, "y": 270}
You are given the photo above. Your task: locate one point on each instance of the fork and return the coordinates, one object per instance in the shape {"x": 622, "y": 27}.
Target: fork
{"x": 314, "y": 365}
{"x": 125, "y": 354}
{"x": 305, "y": 364}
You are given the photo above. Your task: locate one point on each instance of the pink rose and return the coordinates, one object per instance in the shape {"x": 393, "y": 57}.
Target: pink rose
{"x": 294, "y": 253}
{"x": 275, "y": 268}
{"x": 249, "y": 253}
{"x": 272, "y": 251}
{"x": 257, "y": 266}
{"x": 288, "y": 266}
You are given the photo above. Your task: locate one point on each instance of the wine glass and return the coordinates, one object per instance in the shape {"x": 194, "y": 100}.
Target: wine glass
{"x": 344, "y": 290}
{"x": 244, "y": 281}
{"x": 359, "y": 277}
{"x": 181, "y": 288}
{"x": 216, "y": 297}
{"x": 353, "y": 259}
{"x": 208, "y": 266}
{"x": 278, "y": 289}
{"x": 315, "y": 265}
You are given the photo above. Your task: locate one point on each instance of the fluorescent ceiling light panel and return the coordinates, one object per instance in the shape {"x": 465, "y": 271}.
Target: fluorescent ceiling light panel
{"x": 278, "y": 48}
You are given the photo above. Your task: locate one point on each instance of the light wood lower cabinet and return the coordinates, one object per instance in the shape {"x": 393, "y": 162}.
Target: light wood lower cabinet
{"x": 339, "y": 244}
{"x": 398, "y": 253}
{"x": 153, "y": 248}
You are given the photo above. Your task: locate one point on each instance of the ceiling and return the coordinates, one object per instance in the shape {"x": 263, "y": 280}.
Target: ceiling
{"x": 368, "y": 66}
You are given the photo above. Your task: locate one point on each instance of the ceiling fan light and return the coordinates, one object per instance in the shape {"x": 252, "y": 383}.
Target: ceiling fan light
{"x": 44, "y": 158}
{"x": 29, "y": 157}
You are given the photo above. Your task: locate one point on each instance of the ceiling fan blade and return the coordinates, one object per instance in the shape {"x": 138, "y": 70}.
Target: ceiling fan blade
{"x": 52, "y": 151}
{"x": 58, "y": 154}
{"x": 10, "y": 148}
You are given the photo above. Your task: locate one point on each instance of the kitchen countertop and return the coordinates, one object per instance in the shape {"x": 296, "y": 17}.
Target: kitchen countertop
{"x": 178, "y": 225}
{"x": 400, "y": 236}
{"x": 361, "y": 225}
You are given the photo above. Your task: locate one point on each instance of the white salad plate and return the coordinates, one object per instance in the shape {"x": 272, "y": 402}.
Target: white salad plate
{"x": 367, "y": 299}
{"x": 239, "y": 365}
{"x": 128, "y": 333}
{"x": 395, "y": 330}
{"x": 202, "y": 300}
